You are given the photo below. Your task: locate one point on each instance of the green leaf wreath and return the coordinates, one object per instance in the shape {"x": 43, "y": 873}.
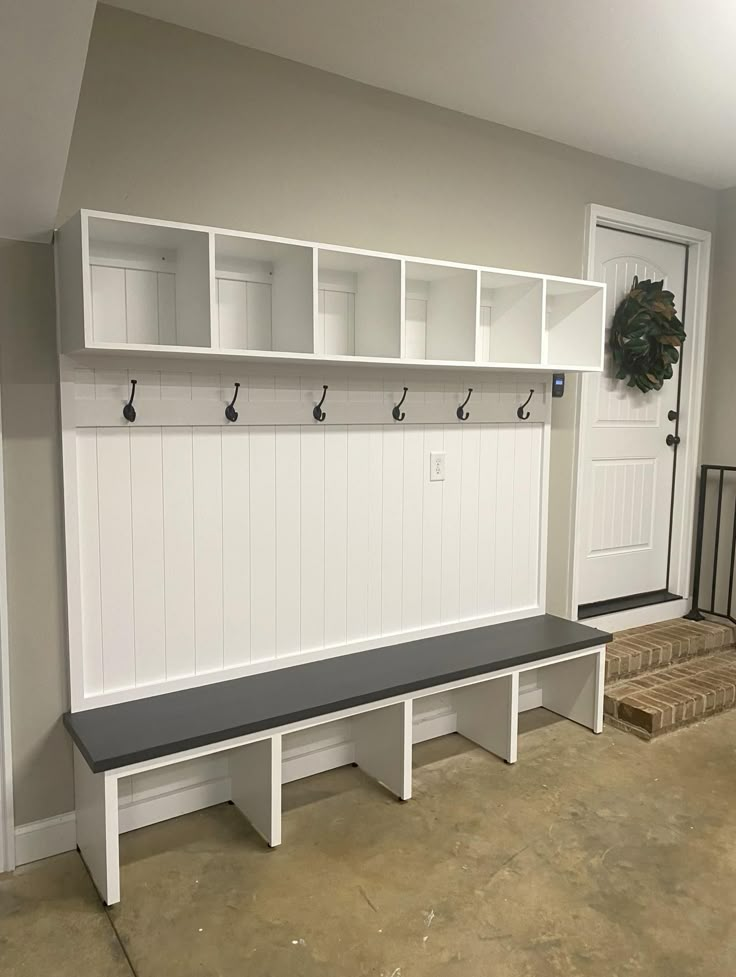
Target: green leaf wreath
{"x": 646, "y": 335}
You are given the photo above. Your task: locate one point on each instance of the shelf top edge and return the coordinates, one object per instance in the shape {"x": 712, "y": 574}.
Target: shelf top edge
{"x": 86, "y": 214}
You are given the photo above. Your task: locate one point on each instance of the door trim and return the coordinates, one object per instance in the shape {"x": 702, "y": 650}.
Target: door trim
{"x": 7, "y": 823}
{"x": 691, "y": 400}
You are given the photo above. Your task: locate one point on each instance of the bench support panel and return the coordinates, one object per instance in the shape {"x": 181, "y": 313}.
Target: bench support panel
{"x": 97, "y": 827}
{"x": 255, "y": 774}
{"x": 488, "y": 714}
{"x": 574, "y": 688}
{"x": 383, "y": 740}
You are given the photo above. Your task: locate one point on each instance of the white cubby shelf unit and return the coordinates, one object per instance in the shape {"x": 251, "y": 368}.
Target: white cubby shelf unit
{"x": 152, "y": 287}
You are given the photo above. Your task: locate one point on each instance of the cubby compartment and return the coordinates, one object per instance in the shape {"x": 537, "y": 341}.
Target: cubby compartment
{"x": 510, "y": 319}
{"x": 574, "y": 325}
{"x": 149, "y": 285}
{"x": 441, "y": 312}
{"x": 359, "y": 307}
{"x": 263, "y": 295}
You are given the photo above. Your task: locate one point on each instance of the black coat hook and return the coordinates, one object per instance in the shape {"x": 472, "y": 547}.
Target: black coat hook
{"x": 318, "y": 413}
{"x": 397, "y": 412}
{"x": 230, "y": 413}
{"x": 129, "y": 409}
{"x": 461, "y": 413}
{"x": 520, "y": 410}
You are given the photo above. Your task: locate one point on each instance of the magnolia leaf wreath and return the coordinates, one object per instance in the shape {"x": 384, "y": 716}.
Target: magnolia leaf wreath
{"x": 646, "y": 336}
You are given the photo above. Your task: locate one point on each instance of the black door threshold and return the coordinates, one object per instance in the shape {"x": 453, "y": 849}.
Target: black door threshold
{"x": 600, "y": 607}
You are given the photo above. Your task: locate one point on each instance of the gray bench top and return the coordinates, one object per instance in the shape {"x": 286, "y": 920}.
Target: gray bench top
{"x": 118, "y": 735}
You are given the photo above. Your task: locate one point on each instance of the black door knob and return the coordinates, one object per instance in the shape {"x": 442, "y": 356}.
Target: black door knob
{"x": 672, "y": 439}
{"x": 671, "y": 415}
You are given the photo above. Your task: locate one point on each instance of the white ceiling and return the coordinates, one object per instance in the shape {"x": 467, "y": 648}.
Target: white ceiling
{"x": 43, "y": 47}
{"x": 650, "y": 82}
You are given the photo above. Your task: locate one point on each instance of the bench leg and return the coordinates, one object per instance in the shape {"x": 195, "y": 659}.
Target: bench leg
{"x": 574, "y": 689}
{"x": 96, "y": 800}
{"x": 488, "y": 714}
{"x": 383, "y": 741}
{"x": 255, "y": 773}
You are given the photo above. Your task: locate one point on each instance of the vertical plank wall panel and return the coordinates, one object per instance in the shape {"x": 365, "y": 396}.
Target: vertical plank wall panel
{"x": 208, "y": 535}
{"x": 116, "y": 557}
{"x": 89, "y": 556}
{"x": 312, "y": 537}
{"x": 288, "y": 540}
{"x": 263, "y": 543}
{"x": 431, "y": 531}
{"x": 147, "y": 503}
{"x": 108, "y": 304}
{"x": 336, "y": 535}
{"x": 179, "y": 551}
{"x": 470, "y": 490}
{"x": 236, "y": 544}
{"x": 214, "y": 547}
{"x": 504, "y": 515}
{"x": 358, "y": 532}
{"x": 392, "y": 576}
{"x": 413, "y": 527}
{"x": 141, "y": 306}
{"x": 450, "y": 598}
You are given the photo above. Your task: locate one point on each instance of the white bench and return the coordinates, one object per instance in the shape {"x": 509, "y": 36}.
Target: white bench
{"x": 247, "y": 717}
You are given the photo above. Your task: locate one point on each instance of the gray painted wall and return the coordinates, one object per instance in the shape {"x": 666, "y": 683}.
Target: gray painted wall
{"x": 177, "y": 125}
{"x": 38, "y": 677}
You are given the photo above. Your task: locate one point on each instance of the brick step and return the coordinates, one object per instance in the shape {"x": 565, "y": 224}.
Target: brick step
{"x": 658, "y": 702}
{"x": 658, "y": 646}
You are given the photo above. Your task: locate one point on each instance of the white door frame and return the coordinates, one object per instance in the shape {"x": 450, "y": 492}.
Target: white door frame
{"x": 7, "y": 823}
{"x": 691, "y": 403}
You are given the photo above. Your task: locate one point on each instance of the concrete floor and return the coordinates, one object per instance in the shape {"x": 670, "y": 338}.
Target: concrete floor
{"x": 598, "y": 856}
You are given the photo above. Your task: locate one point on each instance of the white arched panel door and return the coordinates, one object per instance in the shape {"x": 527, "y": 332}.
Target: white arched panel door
{"x": 625, "y": 521}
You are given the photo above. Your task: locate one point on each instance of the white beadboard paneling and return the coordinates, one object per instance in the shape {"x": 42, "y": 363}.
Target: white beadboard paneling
{"x": 312, "y": 530}
{"x": 488, "y": 518}
{"x": 236, "y": 544}
{"x": 178, "y": 483}
{"x": 116, "y": 558}
{"x": 415, "y": 474}
{"x": 288, "y": 541}
{"x": 208, "y": 535}
{"x": 504, "y": 516}
{"x": 431, "y": 532}
{"x": 263, "y": 543}
{"x": 232, "y": 309}
{"x": 108, "y": 304}
{"x": 392, "y": 574}
{"x": 89, "y": 556}
{"x": 167, "y": 309}
{"x": 259, "y": 316}
{"x": 336, "y": 535}
{"x": 358, "y": 532}
{"x": 141, "y": 306}
{"x": 469, "y": 501}
{"x": 451, "y": 498}
{"x": 146, "y": 479}
{"x": 240, "y": 544}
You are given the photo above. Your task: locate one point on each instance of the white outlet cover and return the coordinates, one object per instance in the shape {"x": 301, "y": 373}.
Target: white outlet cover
{"x": 437, "y": 466}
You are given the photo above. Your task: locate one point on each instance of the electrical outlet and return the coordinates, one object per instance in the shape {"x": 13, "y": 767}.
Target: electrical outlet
{"x": 437, "y": 466}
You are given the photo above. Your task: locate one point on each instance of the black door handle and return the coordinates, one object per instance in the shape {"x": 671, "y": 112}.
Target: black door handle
{"x": 671, "y": 415}
{"x": 672, "y": 439}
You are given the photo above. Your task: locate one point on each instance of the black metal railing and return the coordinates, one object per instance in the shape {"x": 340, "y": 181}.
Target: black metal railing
{"x": 715, "y": 544}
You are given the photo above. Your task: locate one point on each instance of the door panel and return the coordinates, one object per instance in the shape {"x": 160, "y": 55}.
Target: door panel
{"x": 627, "y": 466}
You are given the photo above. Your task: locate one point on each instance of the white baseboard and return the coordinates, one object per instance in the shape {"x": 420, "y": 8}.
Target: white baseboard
{"x": 53, "y": 836}
{"x": 41, "y": 839}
